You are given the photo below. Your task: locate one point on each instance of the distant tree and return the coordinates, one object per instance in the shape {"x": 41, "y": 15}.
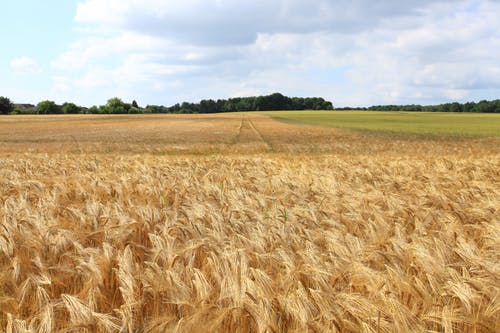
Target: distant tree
{"x": 220, "y": 105}
{"x": 135, "y": 105}
{"x": 485, "y": 106}
{"x": 496, "y": 106}
{"x": 229, "y": 106}
{"x": 127, "y": 107}
{"x": 455, "y": 107}
{"x": 326, "y": 105}
{"x": 176, "y": 108}
{"x": 298, "y": 103}
{"x": 244, "y": 104}
{"x": 134, "y": 110}
{"x": 153, "y": 109}
{"x": 93, "y": 110}
{"x": 5, "y": 105}
{"x": 115, "y": 106}
{"x": 70, "y": 108}
{"x": 48, "y": 107}
{"x": 208, "y": 106}
{"x": 187, "y": 107}
{"x": 274, "y": 101}
{"x": 469, "y": 107}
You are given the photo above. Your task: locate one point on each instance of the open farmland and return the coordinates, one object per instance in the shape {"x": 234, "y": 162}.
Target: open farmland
{"x": 420, "y": 123}
{"x": 241, "y": 223}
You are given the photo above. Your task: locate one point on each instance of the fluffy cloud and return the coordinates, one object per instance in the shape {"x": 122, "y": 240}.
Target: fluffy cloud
{"x": 222, "y": 22}
{"x": 353, "y": 52}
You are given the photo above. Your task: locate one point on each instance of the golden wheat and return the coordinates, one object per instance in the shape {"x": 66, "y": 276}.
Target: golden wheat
{"x": 249, "y": 244}
{"x": 380, "y": 238}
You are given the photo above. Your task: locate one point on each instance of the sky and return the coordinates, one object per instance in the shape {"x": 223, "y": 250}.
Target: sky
{"x": 353, "y": 53}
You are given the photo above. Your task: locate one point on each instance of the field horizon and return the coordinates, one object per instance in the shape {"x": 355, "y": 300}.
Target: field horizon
{"x": 268, "y": 131}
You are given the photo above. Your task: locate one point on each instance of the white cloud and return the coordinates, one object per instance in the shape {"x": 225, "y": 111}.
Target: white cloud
{"x": 353, "y": 52}
{"x": 25, "y": 66}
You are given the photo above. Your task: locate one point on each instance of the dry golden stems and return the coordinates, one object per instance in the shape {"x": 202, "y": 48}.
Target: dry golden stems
{"x": 257, "y": 243}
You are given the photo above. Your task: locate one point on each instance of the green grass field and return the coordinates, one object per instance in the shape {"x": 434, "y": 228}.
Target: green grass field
{"x": 424, "y": 123}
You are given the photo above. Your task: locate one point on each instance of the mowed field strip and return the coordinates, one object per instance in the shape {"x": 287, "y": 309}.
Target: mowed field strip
{"x": 242, "y": 223}
{"x": 420, "y": 123}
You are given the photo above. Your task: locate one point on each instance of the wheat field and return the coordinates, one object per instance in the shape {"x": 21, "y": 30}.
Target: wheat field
{"x": 231, "y": 223}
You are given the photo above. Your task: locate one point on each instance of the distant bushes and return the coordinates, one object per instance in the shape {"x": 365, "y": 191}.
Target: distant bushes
{"x": 482, "y": 106}
{"x": 117, "y": 106}
{"x": 271, "y": 102}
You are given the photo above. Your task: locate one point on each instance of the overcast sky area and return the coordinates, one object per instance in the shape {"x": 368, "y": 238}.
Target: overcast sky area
{"x": 354, "y": 53}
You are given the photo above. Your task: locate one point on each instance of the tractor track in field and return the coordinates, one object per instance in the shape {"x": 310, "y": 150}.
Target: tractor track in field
{"x": 236, "y": 138}
{"x": 248, "y": 134}
{"x": 259, "y": 134}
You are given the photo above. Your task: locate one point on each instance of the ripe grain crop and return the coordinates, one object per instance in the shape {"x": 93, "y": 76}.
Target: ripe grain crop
{"x": 360, "y": 235}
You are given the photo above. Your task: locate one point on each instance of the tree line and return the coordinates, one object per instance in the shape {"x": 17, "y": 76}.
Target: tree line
{"x": 274, "y": 101}
{"x": 115, "y": 105}
{"x": 480, "y": 107}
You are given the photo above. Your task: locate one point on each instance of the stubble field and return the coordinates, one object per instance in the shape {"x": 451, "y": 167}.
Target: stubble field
{"x": 240, "y": 223}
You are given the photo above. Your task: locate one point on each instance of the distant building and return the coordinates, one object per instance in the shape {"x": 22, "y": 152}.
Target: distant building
{"x": 24, "y": 106}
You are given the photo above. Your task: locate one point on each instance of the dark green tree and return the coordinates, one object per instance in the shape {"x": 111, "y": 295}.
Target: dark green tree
{"x": 187, "y": 107}
{"x": 70, "y": 108}
{"x": 93, "y": 110}
{"x": 455, "y": 107}
{"x": 115, "y": 106}
{"x": 485, "y": 106}
{"x": 6, "y": 106}
{"x": 135, "y": 105}
{"x": 274, "y": 101}
{"x": 208, "y": 106}
{"x": 134, "y": 110}
{"x": 176, "y": 108}
{"x": 154, "y": 109}
{"x": 48, "y": 107}
{"x": 469, "y": 107}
